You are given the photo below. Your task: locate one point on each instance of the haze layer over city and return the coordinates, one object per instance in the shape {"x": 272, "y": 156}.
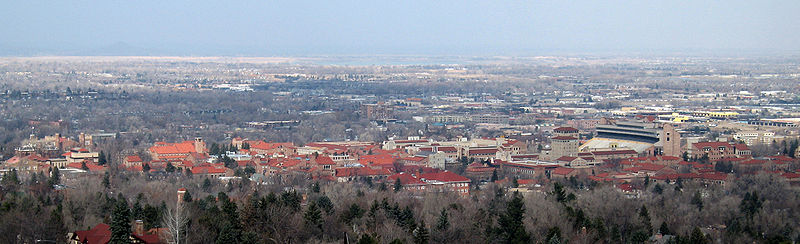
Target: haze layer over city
{"x": 399, "y": 122}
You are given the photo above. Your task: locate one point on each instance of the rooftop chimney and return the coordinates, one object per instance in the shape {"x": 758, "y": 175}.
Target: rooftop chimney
{"x": 138, "y": 227}
{"x": 181, "y": 193}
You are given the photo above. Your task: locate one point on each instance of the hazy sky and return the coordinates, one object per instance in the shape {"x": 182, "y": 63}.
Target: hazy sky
{"x": 296, "y": 27}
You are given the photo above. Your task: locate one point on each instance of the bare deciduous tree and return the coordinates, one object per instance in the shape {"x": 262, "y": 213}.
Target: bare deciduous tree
{"x": 175, "y": 221}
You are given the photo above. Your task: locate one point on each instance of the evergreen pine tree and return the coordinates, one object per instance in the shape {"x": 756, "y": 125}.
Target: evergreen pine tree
{"x": 324, "y": 202}
{"x": 120, "y": 223}
{"x": 421, "y": 234}
{"x": 170, "y": 168}
{"x": 368, "y": 239}
{"x": 231, "y": 231}
{"x": 55, "y": 225}
{"x": 228, "y": 234}
{"x": 101, "y": 159}
{"x": 644, "y": 215}
{"x": 206, "y": 184}
{"x": 11, "y": 180}
{"x": 187, "y": 197}
{"x": 382, "y": 186}
{"x": 750, "y": 204}
{"x": 553, "y": 235}
{"x": 512, "y": 228}
{"x": 443, "y": 223}
{"x": 34, "y": 179}
{"x": 664, "y": 229}
{"x": 315, "y": 187}
{"x": 313, "y": 216}
{"x": 658, "y": 189}
{"x": 558, "y": 191}
{"x": 137, "y": 212}
{"x": 698, "y": 237}
{"x": 397, "y": 185}
{"x": 697, "y": 200}
{"x": 106, "y": 180}
{"x": 55, "y": 177}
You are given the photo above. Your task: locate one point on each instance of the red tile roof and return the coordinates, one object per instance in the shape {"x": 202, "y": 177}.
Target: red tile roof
{"x": 444, "y": 176}
{"x": 208, "y": 170}
{"x": 149, "y": 238}
{"x": 414, "y": 159}
{"x": 325, "y": 160}
{"x": 741, "y": 147}
{"x": 525, "y": 181}
{"x": 405, "y": 179}
{"x": 625, "y": 187}
{"x": 185, "y": 147}
{"x": 378, "y": 159}
{"x": 101, "y": 233}
{"x": 133, "y": 158}
{"x": 89, "y": 164}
